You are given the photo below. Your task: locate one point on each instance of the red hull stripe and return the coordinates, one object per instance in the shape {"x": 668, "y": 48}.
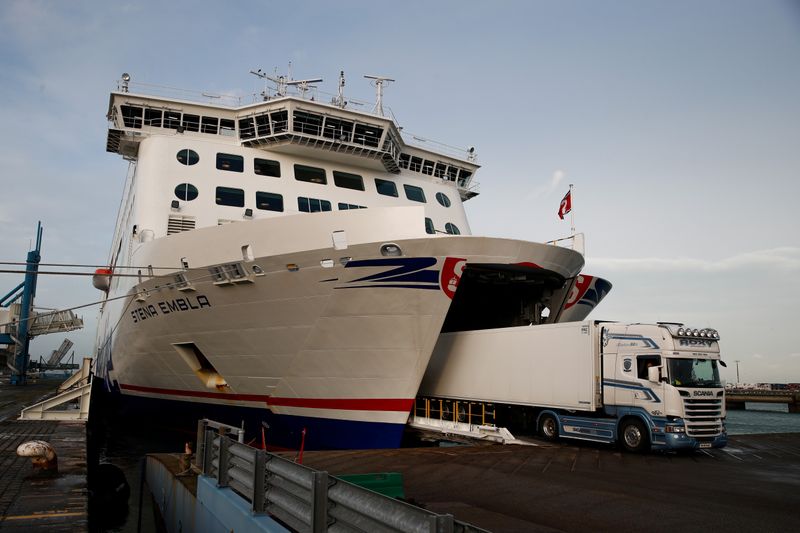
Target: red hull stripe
{"x": 348, "y": 404}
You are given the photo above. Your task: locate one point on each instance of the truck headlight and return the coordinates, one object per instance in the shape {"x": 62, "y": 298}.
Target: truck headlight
{"x": 674, "y": 429}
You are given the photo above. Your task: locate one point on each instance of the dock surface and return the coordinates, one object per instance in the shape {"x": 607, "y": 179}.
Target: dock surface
{"x": 752, "y": 485}
{"x": 28, "y": 501}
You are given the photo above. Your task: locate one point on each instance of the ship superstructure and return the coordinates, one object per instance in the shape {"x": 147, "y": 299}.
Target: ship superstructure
{"x": 295, "y": 261}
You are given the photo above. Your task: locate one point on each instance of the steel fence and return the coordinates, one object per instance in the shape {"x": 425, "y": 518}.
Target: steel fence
{"x": 305, "y": 499}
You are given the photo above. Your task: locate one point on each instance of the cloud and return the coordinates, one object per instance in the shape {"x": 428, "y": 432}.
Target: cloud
{"x": 547, "y": 188}
{"x": 758, "y": 356}
{"x": 785, "y": 258}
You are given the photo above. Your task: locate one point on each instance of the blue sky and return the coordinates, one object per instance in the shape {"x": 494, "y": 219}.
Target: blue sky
{"x": 678, "y": 122}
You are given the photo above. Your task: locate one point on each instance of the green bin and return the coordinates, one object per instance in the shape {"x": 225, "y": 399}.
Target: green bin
{"x": 387, "y": 483}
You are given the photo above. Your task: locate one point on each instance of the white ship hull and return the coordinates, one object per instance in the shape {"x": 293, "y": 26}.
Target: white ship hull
{"x": 332, "y": 338}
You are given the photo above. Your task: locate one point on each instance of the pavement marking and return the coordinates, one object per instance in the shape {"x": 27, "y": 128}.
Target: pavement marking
{"x": 42, "y": 515}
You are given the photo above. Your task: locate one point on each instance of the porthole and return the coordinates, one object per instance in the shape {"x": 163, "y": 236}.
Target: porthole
{"x": 452, "y": 229}
{"x": 186, "y": 191}
{"x": 188, "y": 157}
{"x": 443, "y": 199}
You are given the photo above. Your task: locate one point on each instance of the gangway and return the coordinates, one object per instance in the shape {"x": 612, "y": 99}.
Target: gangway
{"x": 71, "y": 402}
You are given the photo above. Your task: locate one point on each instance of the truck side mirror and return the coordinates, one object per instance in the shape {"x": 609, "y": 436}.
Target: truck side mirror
{"x": 654, "y": 374}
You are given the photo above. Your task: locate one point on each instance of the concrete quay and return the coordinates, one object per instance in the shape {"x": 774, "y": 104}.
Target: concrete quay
{"x": 30, "y": 501}
{"x": 751, "y": 485}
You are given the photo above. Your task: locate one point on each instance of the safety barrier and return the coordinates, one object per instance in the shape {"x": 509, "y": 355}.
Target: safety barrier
{"x": 305, "y": 499}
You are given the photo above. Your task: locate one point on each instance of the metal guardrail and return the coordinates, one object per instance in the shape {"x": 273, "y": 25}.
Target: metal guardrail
{"x": 305, "y": 499}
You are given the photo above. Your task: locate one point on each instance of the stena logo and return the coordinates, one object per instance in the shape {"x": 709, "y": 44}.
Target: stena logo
{"x": 451, "y": 275}
{"x": 627, "y": 364}
{"x": 702, "y": 393}
{"x": 696, "y": 342}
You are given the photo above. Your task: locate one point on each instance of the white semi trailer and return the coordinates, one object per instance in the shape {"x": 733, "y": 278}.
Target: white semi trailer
{"x": 646, "y": 386}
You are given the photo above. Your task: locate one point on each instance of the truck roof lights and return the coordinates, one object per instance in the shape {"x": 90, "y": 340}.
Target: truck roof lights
{"x": 705, "y": 333}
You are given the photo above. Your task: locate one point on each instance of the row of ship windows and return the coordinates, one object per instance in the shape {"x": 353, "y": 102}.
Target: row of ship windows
{"x": 277, "y": 122}
{"x": 270, "y": 201}
{"x": 345, "y": 180}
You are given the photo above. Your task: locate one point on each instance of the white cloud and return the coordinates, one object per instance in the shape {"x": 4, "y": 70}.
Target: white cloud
{"x": 785, "y": 258}
{"x": 758, "y": 356}
{"x": 547, "y": 188}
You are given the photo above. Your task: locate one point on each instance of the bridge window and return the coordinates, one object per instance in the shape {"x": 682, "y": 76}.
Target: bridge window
{"x": 386, "y": 187}
{"x": 230, "y": 196}
{"x": 267, "y": 167}
{"x": 429, "y": 226}
{"x": 262, "y": 125}
{"x": 404, "y": 160}
{"x": 309, "y": 123}
{"x": 269, "y": 201}
{"x": 227, "y": 127}
{"x": 312, "y": 205}
{"x": 348, "y": 181}
{"x": 172, "y": 119}
{"x": 367, "y": 135}
{"x": 452, "y": 229}
{"x": 230, "y": 162}
{"x": 427, "y": 167}
{"x": 246, "y": 128}
{"x": 152, "y": 117}
{"x": 414, "y": 193}
{"x": 280, "y": 121}
{"x": 344, "y": 207}
{"x": 443, "y": 199}
{"x": 186, "y": 191}
{"x": 415, "y": 164}
{"x": 187, "y": 157}
{"x": 310, "y": 174}
{"x": 209, "y": 125}
{"x": 463, "y": 177}
{"x": 340, "y": 130}
{"x": 191, "y": 122}
{"x": 438, "y": 170}
{"x": 131, "y": 116}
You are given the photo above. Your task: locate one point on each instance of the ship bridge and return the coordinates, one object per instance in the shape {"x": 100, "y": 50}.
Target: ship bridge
{"x": 288, "y": 124}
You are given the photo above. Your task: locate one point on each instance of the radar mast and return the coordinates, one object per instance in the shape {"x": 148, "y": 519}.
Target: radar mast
{"x": 378, "y": 81}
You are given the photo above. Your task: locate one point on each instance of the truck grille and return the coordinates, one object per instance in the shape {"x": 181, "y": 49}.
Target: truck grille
{"x": 703, "y": 417}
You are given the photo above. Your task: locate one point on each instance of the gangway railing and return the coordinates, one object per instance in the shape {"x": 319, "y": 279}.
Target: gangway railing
{"x": 303, "y": 498}
{"x": 71, "y": 402}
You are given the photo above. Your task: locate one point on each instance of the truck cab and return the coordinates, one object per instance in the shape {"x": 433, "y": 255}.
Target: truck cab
{"x": 661, "y": 382}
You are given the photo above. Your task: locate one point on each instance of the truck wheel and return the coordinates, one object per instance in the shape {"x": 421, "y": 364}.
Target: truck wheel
{"x": 548, "y": 427}
{"x": 633, "y": 435}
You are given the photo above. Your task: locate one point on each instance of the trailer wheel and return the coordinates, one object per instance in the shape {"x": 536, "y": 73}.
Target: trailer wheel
{"x": 548, "y": 427}
{"x": 633, "y": 435}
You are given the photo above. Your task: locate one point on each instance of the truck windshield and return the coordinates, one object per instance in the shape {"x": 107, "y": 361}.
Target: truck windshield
{"x": 694, "y": 373}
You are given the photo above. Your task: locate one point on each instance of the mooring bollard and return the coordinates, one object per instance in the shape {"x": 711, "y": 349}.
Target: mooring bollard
{"x": 43, "y": 456}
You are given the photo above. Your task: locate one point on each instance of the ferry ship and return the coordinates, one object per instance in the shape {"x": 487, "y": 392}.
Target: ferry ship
{"x": 293, "y": 260}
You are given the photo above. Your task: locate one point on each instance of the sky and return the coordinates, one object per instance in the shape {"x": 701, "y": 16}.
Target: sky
{"x": 678, "y": 122}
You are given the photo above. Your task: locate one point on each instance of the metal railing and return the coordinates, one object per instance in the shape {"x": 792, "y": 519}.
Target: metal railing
{"x": 305, "y": 499}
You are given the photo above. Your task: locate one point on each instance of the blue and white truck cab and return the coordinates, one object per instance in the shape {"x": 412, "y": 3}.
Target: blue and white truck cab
{"x": 665, "y": 376}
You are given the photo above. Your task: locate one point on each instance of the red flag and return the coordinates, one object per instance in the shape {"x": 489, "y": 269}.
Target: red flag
{"x": 566, "y": 205}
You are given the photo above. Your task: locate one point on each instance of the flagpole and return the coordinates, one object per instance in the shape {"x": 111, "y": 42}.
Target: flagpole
{"x": 572, "y": 210}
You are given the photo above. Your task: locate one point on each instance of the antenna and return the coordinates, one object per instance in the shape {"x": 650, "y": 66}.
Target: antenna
{"x": 279, "y": 81}
{"x": 303, "y": 85}
{"x": 338, "y": 100}
{"x": 283, "y": 82}
{"x": 378, "y": 81}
